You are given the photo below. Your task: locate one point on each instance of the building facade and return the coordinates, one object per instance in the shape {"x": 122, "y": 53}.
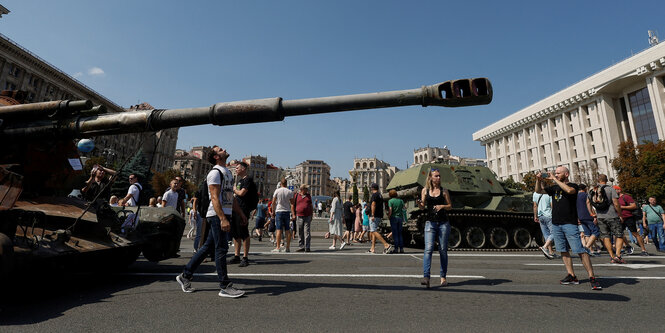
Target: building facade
{"x": 193, "y": 165}
{"x": 430, "y": 154}
{"x": 316, "y": 174}
{"x": 22, "y": 70}
{"x": 582, "y": 126}
{"x": 372, "y": 170}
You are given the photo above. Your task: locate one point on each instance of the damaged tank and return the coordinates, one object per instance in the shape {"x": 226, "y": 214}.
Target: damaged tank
{"x": 41, "y": 227}
{"x": 484, "y": 213}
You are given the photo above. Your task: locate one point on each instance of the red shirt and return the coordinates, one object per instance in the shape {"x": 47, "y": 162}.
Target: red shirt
{"x": 626, "y": 200}
{"x": 303, "y": 204}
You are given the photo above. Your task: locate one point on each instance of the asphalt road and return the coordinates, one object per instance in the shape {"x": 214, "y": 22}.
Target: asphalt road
{"x": 348, "y": 290}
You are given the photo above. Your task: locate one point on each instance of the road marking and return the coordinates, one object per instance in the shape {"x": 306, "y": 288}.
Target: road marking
{"x": 416, "y": 257}
{"x": 306, "y": 275}
{"x": 632, "y": 266}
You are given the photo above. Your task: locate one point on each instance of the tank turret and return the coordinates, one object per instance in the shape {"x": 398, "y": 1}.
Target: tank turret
{"x": 39, "y": 224}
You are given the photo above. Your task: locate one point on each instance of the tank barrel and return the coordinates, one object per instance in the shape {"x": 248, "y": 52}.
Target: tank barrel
{"x": 49, "y": 109}
{"x": 454, "y": 93}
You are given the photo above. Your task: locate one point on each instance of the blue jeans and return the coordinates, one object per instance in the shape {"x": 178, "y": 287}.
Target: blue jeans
{"x": 197, "y": 238}
{"x": 657, "y": 235}
{"x": 217, "y": 242}
{"x": 546, "y": 227}
{"x": 283, "y": 220}
{"x": 396, "y": 227}
{"x": 567, "y": 238}
{"x": 436, "y": 231}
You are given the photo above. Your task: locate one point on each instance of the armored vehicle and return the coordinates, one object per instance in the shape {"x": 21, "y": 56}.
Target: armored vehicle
{"x": 40, "y": 226}
{"x": 484, "y": 214}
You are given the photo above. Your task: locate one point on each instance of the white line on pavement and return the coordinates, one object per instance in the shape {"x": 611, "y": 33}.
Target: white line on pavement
{"x": 416, "y": 257}
{"x": 305, "y": 275}
{"x": 632, "y": 266}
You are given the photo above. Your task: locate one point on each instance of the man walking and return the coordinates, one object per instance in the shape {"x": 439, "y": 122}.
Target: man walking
{"x": 302, "y": 212}
{"x": 628, "y": 205}
{"x": 654, "y": 217}
{"x": 170, "y": 197}
{"x": 222, "y": 204}
{"x": 564, "y": 223}
{"x": 244, "y": 191}
{"x": 542, "y": 214}
{"x": 604, "y": 200}
{"x": 349, "y": 219}
{"x": 376, "y": 204}
{"x": 281, "y": 207}
{"x": 587, "y": 222}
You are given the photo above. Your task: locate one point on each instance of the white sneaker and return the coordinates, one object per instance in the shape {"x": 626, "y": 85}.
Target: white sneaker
{"x": 282, "y": 249}
{"x": 343, "y": 245}
{"x": 275, "y": 250}
{"x": 185, "y": 283}
{"x": 332, "y": 247}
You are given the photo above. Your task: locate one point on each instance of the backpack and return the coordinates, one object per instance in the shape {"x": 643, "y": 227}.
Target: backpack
{"x": 204, "y": 195}
{"x": 598, "y": 199}
{"x": 143, "y": 200}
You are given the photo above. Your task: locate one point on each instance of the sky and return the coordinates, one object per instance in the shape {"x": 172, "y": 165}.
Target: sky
{"x": 177, "y": 54}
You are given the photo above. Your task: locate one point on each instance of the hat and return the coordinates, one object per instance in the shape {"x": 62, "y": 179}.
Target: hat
{"x": 374, "y": 186}
{"x": 616, "y": 187}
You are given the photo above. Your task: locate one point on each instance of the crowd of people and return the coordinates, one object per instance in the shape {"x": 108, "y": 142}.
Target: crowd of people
{"x": 573, "y": 219}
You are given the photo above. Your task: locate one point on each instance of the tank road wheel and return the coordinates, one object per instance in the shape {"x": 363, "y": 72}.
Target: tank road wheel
{"x": 499, "y": 238}
{"x": 522, "y": 238}
{"x": 6, "y": 257}
{"x": 475, "y": 237}
{"x": 455, "y": 238}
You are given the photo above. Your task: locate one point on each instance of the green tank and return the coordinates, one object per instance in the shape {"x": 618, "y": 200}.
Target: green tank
{"x": 484, "y": 214}
{"x": 40, "y": 226}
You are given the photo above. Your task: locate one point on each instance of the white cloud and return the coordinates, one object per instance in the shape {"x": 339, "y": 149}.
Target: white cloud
{"x": 77, "y": 75}
{"x": 95, "y": 71}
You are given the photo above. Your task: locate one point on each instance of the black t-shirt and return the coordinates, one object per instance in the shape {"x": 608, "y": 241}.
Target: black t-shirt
{"x": 347, "y": 210}
{"x": 181, "y": 197}
{"x": 564, "y": 205}
{"x": 95, "y": 188}
{"x": 378, "y": 210}
{"x": 247, "y": 183}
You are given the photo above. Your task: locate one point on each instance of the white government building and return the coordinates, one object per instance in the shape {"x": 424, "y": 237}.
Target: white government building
{"x": 581, "y": 127}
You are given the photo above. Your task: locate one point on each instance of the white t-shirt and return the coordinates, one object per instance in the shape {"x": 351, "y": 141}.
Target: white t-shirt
{"x": 134, "y": 190}
{"x": 171, "y": 198}
{"x": 226, "y": 194}
{"x": 282, "y": 198}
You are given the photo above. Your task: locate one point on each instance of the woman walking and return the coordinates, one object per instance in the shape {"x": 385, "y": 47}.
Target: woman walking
{"x": 396, "y": 214}
{"x": 436, "y": 200}
{"x": 335, "y": 227}
{"x": 358, "y": 223}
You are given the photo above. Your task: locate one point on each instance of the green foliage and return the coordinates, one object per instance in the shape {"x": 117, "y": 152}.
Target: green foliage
{"x": 641, "y": 169}
{"x": 529, "y": 181}
{"x": 365, "y": 194}
{"x": 355, "y": 194}
{"x": 162, "y": 180}
{"x": 90, "y": 162}
{"x": 139, "y": 166}
{"x": 512, "y": 184}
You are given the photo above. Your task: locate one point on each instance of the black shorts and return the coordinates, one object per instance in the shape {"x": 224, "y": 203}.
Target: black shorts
{"x": 238, "y": 230}
{"x": 629, "y": 222}
{"x": 349, "y": 224}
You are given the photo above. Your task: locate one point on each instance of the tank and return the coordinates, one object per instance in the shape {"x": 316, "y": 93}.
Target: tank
{"x": 484, "y": 214}
{"x": 40, "y": 226}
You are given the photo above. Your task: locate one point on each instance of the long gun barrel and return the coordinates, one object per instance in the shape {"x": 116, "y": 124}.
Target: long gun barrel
{"x": 454, "y": 93}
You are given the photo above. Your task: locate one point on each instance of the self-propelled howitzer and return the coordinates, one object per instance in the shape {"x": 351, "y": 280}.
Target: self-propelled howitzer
{"x": 41, "y": 225}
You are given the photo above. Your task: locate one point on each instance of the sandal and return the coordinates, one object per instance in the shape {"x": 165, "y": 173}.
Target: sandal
{"x": 369, "y": 251}
{"x": 444, "y": 283}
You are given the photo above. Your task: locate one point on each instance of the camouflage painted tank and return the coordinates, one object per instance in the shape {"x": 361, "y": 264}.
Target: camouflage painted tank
{"x": 40, "y": 226}
{"x": 484, "y": 214}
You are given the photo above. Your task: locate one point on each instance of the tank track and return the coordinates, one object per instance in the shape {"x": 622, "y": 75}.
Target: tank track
{"x": 483, "y": 230}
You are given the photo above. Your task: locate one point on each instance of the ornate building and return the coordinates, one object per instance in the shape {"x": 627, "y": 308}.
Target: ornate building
{"x": 193, "y": 166}
{"x": 430, "y": 154}
{"x": 20, "y": 69}
{"x": 372, "y": 170}
{"x": 581, "y": 126}
{"x": 316, "y": 174}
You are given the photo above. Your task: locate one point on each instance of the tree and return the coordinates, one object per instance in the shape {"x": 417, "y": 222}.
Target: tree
{"x": 641, "y": 169}
{"x": 161, "y": 180}
{"x": 512, "y": 184}
{"x": 139, "y": 166}
{"x": 529, "y": 181}
{"x": 355, "y": 194}
{"x": 365, "y": 194}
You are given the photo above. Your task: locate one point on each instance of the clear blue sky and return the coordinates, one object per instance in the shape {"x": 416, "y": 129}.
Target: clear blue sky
{"x": 175, "y": 54}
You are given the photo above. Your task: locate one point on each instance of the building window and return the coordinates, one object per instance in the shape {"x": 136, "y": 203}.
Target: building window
{"x": 645, "y": 124}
